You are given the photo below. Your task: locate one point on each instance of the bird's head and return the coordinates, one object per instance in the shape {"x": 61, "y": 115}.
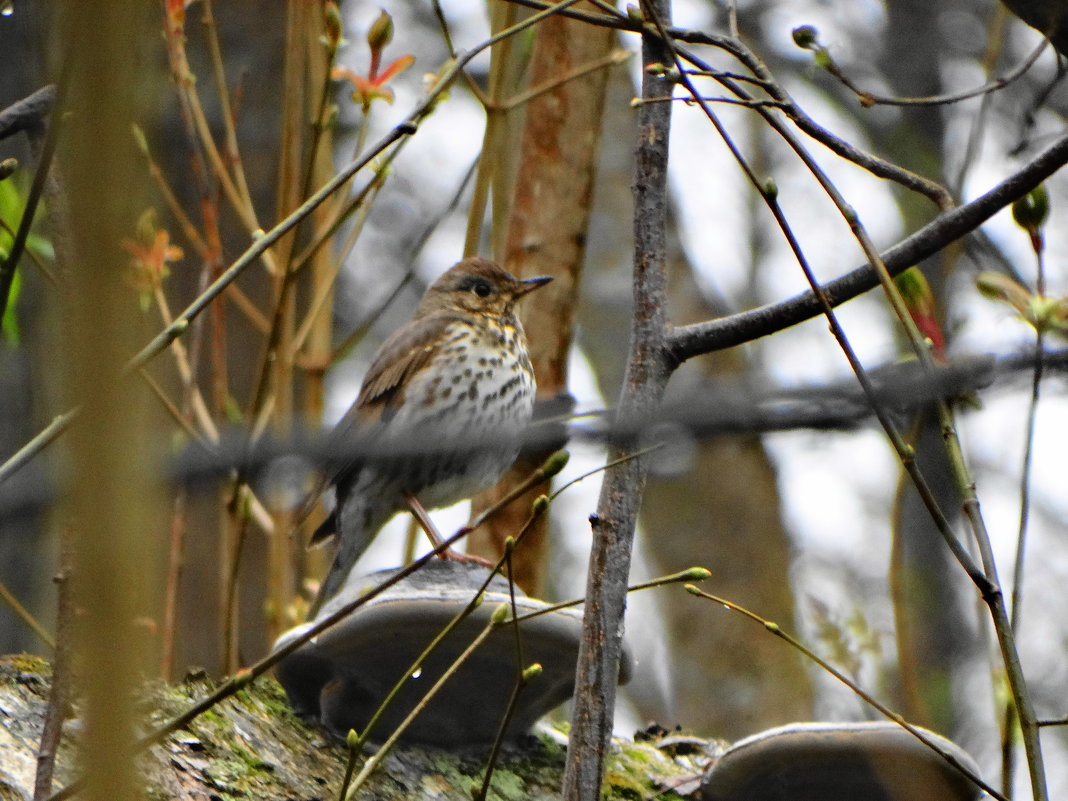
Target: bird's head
{"x": 478, "y": 286}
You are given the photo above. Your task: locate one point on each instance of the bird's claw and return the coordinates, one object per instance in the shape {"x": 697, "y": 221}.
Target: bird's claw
{"x": 467, "y": 558}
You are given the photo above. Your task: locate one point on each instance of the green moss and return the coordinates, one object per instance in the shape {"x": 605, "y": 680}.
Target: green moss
{"x": 239, "y": 768}
{"x": 237, "y": 773}
{"x": 623, "y": 785}
{"x": 631, "y": 773}
{"x": 209, "y": 717}
{"x": 505, "y": 784}
{"x": 252, "y": 763}
{"x": 442, "y": 762}
{"x": 271, "y": 698}
{"x": 551, "y": 747}
{"x": 27, "y": 663}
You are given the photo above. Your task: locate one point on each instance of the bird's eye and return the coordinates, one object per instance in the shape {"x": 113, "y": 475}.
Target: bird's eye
{"x": 482, "y": 289}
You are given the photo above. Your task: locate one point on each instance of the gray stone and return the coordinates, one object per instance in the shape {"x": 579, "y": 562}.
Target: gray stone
{"x": 341, "y": 677}
{"x": 878, "y": 761}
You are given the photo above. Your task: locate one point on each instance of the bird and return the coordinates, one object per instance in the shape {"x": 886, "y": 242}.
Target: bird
{"x": 458, "y": 369}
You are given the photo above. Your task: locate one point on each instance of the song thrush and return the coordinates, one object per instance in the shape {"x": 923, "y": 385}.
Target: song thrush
{"x": 457, "y": 371}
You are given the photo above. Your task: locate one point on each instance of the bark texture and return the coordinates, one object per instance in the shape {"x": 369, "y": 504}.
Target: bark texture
{"x": 252, "y": 746}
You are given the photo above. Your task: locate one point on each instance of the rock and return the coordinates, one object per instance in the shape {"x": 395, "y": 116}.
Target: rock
{"x": 838, "y": 762}
{"x": 341, "y": 677}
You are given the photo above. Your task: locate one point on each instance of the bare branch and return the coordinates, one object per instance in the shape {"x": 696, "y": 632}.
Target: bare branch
{"x": 28, "y": 113}
{"x": 693, "y": 340}
{"x": 649, "y": 367}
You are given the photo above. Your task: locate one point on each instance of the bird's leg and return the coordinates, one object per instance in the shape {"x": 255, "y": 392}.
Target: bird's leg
{"x": 425, "y": 523}
{"x": 423, "y": 519}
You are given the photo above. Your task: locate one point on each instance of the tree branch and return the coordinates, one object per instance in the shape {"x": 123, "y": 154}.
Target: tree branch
{"x": 724, "y": 409}
{"x": 28, "y": 113}
{"x": 649, "y": 367}
{"x": 688, "y": 341}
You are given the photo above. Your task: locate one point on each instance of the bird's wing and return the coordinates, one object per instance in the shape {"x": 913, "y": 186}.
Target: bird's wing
{"x": 399, "y": 357}
{"x": 382, "y": 392}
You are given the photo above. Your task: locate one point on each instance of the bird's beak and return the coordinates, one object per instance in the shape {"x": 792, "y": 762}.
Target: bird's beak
{"x": 527, "y": 285}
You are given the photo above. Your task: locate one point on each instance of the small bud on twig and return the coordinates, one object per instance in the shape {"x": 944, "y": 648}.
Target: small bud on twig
{"x": 501, "y": 614}
{"x": 806, "y": 36}
{"x": 555, "y": 463}
{"x": 332, "y": 25}
{"x": 1031, "y": 211}
{"x": 380, "y": 33}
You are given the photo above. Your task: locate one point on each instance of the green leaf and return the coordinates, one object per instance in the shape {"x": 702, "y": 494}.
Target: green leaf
{"x": 997, "y": 286}
{"x": 9, "y": 326}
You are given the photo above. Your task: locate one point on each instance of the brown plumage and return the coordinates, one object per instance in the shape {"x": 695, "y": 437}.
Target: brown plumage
{"x": 459, "y": 366}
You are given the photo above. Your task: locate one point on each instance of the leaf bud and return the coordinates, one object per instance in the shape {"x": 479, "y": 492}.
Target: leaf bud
{"x": 1031, "y": 211}
{"x": 806, "y": 36}
{"x": 380, "y": 33}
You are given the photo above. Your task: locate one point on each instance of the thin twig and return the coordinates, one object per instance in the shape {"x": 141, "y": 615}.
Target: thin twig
{"x": 173, "y": 411}
{"x": 431, "y": 226}
{"x": 986, "y": 579}
{"x": 381, "y": 753}
{"x": 874, "y": 164}
{"x": 175, "y": 563}
{"x": 902, "y": 448}
{"x": 362, "y": 203}
{"x": 523, "y": 674}
{"x": 726, "y": 101}
{"x": 867, "y": 99}
{"x": 501, "y": 16}
{"x": 59, "y": 694}
{"x": 997, "y": 41}
{"x": 690, "y": 574}
{"x": 609, "y": 60}
{"x": 1054, "y": 722}
{"x": 1025, "y": 484}
{"x": 1011, "y": 717}
{"x": 776, "y": 630}
{"x": 1032, "y": 414}
{"x": 29, "y": 211}
{"x": 223, "y": 93}
{"x": 42, "y": 440}
{"x": 696, "y": 339}
{"x": 649, "y": 365}
{"x": 38, "y": 262}
{"x": 24, "y": 614}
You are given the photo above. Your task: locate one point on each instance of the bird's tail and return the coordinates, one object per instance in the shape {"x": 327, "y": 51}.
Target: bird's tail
{"x": 354, "y": 522}
{"x": 324, "y": 531}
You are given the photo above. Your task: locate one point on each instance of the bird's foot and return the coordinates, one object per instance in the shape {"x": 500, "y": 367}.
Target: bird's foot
{"x": 467, "y": 558}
